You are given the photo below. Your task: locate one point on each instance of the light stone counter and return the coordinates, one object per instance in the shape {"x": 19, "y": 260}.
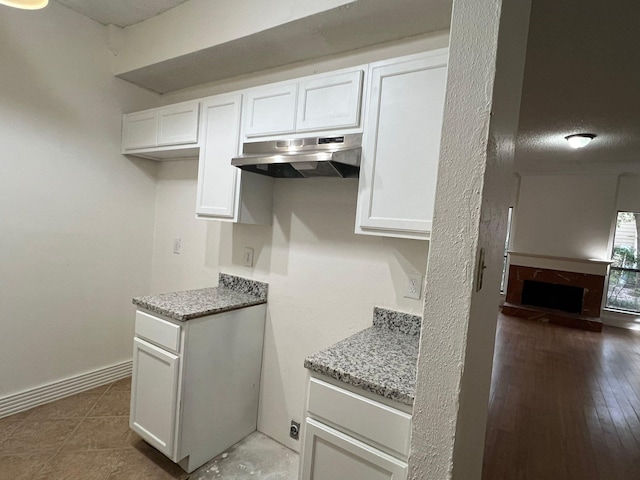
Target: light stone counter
{"x": 381, "y": 359}
{"x": 231, "y": 293}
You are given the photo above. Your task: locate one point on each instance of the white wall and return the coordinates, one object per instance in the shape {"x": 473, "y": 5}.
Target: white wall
{"x": 76, "y": 216}
{"x": 211, "y": 22}
{"x": 628, "y": 193}
{"x": 565, "y": 215}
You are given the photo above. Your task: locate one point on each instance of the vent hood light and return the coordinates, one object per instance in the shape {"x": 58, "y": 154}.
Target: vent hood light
{"x": 25, "y": 4}
{"x": 579, "y": 140}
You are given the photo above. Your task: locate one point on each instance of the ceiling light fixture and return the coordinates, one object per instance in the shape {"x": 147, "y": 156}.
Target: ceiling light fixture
{"x": 25, "y": 4}
{"x": 579, "y": 140}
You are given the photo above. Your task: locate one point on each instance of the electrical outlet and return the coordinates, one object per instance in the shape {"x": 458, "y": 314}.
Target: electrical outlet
{"x": 413, "y": 287}
{"x": 177, "y": 245}
{"x": 294, "y": 430}
{"x": 248, "y": 257}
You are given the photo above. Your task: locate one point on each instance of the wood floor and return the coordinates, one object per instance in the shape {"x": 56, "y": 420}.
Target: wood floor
{"x": 565, "y": 404}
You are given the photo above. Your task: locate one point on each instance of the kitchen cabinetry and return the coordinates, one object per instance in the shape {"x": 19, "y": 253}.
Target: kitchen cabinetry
{"x": 350, "y": 435}
{"x": 313, "y": 104}
{"x": 160, "y": 133}
{"x": 271, "y": 110}
{"x": 224, "y": 191}
{"x": 401, "y": 146}
{"x": 195, "y": 384}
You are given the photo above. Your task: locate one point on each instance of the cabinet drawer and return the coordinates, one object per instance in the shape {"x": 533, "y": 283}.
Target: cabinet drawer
{"x": 158, "y": 331}
{"x": 361, "y": 416}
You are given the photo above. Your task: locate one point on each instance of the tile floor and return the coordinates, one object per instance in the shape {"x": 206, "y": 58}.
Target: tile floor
{"x": 87, "y": 437}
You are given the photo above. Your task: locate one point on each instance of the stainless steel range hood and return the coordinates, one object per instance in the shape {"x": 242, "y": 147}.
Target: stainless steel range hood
{"x": 335, "y": 156}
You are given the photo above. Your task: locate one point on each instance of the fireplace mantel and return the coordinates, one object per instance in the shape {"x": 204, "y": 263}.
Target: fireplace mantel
{"x": 568, "y": 264}
{"x": 592, "y": 285}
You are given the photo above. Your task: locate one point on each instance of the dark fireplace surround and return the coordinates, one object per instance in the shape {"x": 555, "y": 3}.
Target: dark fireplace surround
{"x": 567, "y": 298}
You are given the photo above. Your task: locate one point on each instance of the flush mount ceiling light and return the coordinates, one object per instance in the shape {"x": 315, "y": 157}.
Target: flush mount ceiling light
{"x": 25, "y": 4}
{"x": 579, "y": 140}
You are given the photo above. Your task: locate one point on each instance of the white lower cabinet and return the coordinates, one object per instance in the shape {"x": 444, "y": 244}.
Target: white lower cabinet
{"x": 153, "y": 413}
{"x": 348, "y": 436}
{"x": 195, "y": 384}
{"x": 333, "y": 455}
{"x": 401, "y": 146}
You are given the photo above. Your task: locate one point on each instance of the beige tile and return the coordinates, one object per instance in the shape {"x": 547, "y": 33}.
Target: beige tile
{"x": 71, "y": 407}
{"x": 112, "y": 404}
{"x": 39, "y": 436}
{"x": 120, "y": 385}
{"x": 8, "y": 425}
{"x": 22, "y": 466}
{"x": 94, "y": 465}
{"x": 100, "y": 433}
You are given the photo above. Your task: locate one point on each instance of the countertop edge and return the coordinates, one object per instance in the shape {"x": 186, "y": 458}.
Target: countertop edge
{"x": 349, "y": 379}
{"x": 184, "y": 318}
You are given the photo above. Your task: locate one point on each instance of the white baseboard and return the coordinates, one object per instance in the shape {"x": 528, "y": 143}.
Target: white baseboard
{"x": 54, "y": 391}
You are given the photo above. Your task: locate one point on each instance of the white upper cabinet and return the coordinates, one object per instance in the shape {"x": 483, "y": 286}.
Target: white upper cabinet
{"x": 401, "y": 146}
{"x": 140, "y": 130}
{"x": 224, "y": 191}
{"x": 217, "y": 178}
{"x": 329, "y": 102}
{"x": 178, "y": 124}
{"x": 271, "y": 110}
{"x": 162, "y": 133}
{"x": 319, "y": 103}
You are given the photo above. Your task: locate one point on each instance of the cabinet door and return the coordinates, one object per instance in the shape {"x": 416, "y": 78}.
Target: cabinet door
{"x": 140, "y": 130}
{"x": 401, "y": 147}
{"x": 218, "y": 180}
{"x": 154, "y": 395}
{"x": 329, "y": 102}
{"x": 331, "y": 455}
{"x": 270, "y": 110}
{"x": 178, "y": 124}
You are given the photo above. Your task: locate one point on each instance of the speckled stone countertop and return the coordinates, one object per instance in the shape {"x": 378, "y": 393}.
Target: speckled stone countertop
{"x": 381, "y": 359}
{"x": 231, "y": 293}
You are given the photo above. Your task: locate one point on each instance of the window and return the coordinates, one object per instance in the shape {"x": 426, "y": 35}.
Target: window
{"x": 506, "y": 250}
{"x": 623, "y": 292}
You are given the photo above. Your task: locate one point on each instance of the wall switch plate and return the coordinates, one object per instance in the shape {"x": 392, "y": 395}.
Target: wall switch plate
{"x": 248, "y": 257}
{"x": 177, "y": 245}
{"x": 413, "y": 287}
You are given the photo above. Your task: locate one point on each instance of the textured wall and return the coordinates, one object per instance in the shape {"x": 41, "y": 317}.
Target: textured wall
{"x": 473, "y": 193}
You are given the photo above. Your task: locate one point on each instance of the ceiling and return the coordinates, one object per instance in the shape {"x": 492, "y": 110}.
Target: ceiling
{"x": 122, "y": 13}
{"x": 582, "y": 69}
{"x": 582, "y": 75}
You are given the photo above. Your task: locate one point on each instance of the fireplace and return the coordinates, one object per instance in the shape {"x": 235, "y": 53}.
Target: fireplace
{"x": 558, "y": 291}
{"x": 551, "y": 295}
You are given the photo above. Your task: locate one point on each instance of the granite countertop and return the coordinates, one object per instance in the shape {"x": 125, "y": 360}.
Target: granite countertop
{"x": 381, "y": 359}
{"x": 231, "y": 293}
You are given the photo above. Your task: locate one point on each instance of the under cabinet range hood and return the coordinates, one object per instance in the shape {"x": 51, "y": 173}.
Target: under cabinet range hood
{"x": 335, "y": 156}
